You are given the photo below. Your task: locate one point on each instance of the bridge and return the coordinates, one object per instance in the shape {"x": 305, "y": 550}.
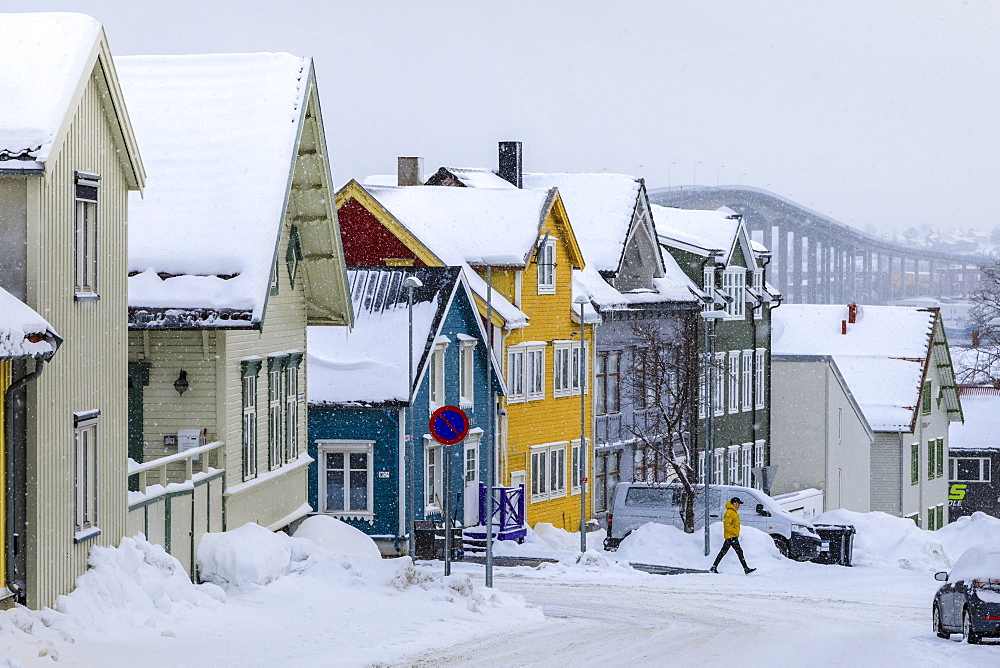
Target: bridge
{"x": 818, "y": 260}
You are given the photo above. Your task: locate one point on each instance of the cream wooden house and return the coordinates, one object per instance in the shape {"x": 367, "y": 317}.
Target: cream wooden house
{"x": 68, "y": 159}
{"x": 234, "y": 249}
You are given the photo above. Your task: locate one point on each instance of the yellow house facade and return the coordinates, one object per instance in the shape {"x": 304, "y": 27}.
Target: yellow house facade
{"x": 523, "y": 242}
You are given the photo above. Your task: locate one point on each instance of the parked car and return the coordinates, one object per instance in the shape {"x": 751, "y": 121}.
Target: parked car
{"x": 970, "y": 601}
{"x": 634, "y": 504}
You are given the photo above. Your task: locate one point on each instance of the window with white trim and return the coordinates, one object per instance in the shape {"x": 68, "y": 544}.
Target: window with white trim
{"x": 575, "y": 465}
{"x": 466, "y": 373}
{"x": 708, "y": 284}
{"x": 85, "y": 473}
{"x": 746, "y": 453}
{"x": 758, "y": 285}
{"x": 718, "y": 379}
{"x": 734, "y": 381}
{"x": 734, "y": 285}
{"x": 436, "y": 376}
{"x": 718, "y": 465}
{"x": 969, "y": 469}
{"x": 292, "y": 406}
{"x": 759, "y": 377}
{"x": 526, "y": 372}
{"x": 250, "y": 369}
{"x": 759, "y": 457}
{"x": 275, "y": 412}
{"x": 547, "y": 267}
{"x": 85, "y": 236}
{"x": 702, "y": 385}
{"x": 548, "y": 471}
{"x": 733, "y": 461}
{"x": 607, "y": 393}
{"x": 347, "y": 480}
{"x": 747, "y": 384}
{"x": 471, "y": 460}
{"x": 433, "y": 477}
{"x": 569, "y": 368}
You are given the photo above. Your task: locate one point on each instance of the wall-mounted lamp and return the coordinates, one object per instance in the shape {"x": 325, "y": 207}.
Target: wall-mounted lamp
{"x": 182, "y": 384}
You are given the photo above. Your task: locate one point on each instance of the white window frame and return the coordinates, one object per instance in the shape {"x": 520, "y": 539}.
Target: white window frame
{"x": 702, "y": 385}
{"x": 746, "y": 452}
{"x": 734, "y": 381}
{"x": 433, "y": 473}
{"x": 347, "y": 448}
{"x": 566, "y": 368}
{"x": 291, "y": 383}
{"x": 466, "y": 373}
{"x": 747, "y": 379}
{"x": 275, "y": 411}
{"x": 526, "y": 372}
{"x": 574, "y": 464}
{"x": 546, "y": 265}
{"x": 758, "y": 455}
{"x": 759, "y": 360}
{"x": 471, "y": 463}
{"x": 708, "y": 284}
{"x": 85, "y": 478}
{"x": 719, "y": 389}
{"x": 515, "y": 375}
{"x": 248, "y": 387}
{"x": 436, "y": 386}
{"x": 85, "y": 235}
{"x": 984, "y": 463}
{"x": 718, "y": 466}
{"x": 548, "y": 471}
{"x": 758, "y": 285}
{"x": 734, "y": 284}
{"x": 733, "y": 470}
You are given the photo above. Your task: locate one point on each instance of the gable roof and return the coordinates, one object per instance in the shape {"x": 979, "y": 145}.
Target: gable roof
{"x": 367, "y": 366}
{"x": 699, "y": 231}
{"x": 884, "y": 357}
{"x": 48, "y": 60}
{"x": 24, "y": 333}
{"x": 222, "y": 134}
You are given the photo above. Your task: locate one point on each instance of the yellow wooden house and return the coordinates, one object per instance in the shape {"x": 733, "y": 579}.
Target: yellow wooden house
{"x": 524, "y": 242}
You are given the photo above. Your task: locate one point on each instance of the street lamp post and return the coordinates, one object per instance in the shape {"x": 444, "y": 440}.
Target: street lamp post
{"x": 409, "y": 283}
{"x": 709, "y": 317}
{"x": 582, "y": 301}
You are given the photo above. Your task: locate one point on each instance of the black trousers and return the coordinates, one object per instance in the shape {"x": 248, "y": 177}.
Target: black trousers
{"x": 731, "y": 543}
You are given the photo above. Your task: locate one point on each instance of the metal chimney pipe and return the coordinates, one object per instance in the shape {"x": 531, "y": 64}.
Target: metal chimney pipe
{"x": 510, "y": 163}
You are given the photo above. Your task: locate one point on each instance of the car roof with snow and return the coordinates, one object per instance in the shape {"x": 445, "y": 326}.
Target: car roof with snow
{"x": 978, "y": 562}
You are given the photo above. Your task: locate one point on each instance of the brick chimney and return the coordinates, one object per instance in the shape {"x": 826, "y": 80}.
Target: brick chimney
{"x": 410, "y": 171}
{"x": 852, "y": 313}
{"x": 510, "y": 163}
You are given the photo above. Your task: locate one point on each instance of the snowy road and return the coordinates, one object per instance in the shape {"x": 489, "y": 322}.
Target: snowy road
{"x": 840, "y": 617}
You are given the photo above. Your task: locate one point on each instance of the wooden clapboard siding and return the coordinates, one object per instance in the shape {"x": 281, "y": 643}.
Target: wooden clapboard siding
{"x": 552, "y": 419}
{"x": 164, "y": 410}
{"x": 283, "y": 330}
{"x": 90, "y": 371}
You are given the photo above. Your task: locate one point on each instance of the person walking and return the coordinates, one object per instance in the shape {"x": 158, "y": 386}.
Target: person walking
{"x": 731, "y": 533}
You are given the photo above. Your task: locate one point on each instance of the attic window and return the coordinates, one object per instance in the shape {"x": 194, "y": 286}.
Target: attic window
{"x": 294, "y": 255}
{"x": 85, "y": 236}
{"x": 547, "y": 267}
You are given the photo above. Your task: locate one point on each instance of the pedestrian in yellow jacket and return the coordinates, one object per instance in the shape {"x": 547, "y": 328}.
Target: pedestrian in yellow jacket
{"x": 731, "y": 533}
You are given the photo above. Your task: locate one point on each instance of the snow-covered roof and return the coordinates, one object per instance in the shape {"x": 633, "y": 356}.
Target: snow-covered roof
{"x": 706, "y": 230}
{"x": 43, "y": 62}
{"x": 367, "y": 364}
{"x": 981, "y": 428}
{"x": 481, "y": 177}
{"x": 674, "y": 287}
{"x": 882, "y": 356}
{"x": 218, "y": 134}
{"x": 468, "y": 224}
{"x": 24, "y": 333}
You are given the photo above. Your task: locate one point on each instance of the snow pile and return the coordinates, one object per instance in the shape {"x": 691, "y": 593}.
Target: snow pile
{"x": 338, "y": 537}
{"x": 967, "y": 531}
{"x": 135, "y": 588}
{"x": 548, "y": 541}
{"x": 884, "y": 540}
{"x": 669, "y": 546}
{"x": 250, "y": 555}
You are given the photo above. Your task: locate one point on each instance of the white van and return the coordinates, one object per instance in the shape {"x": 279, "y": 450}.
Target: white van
{"x": 635, "y": 503}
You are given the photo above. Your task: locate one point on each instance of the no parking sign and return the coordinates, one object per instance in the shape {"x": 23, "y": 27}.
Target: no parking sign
{"x": 449, "y": 425}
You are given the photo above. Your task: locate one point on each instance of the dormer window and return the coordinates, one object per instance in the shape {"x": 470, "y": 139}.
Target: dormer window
{"x": 547, "y": 267}
{"x": 293, "y": 255}
{"x": 734, "y": 284}
{"x": 85, "y": 236}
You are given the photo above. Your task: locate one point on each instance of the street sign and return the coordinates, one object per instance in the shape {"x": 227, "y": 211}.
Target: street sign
{"x": 449, "y": 425}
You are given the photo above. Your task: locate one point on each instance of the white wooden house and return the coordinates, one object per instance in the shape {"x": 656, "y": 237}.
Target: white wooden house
{"x": 68, "y": 159}
{"x": 234, "y": 249}
{"x": 889, "y": 419}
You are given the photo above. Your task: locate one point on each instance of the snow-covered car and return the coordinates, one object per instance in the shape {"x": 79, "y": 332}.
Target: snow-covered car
{"x": 636, "y": 503}
{"x": 969, "y": 602}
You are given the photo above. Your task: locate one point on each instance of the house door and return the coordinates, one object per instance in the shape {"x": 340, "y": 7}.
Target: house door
{"x": 138, "y": 378}
{"x": 470, "y": 496}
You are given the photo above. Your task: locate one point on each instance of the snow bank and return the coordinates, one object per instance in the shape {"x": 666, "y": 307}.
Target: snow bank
{"x": 250, "y": 555}
{"x": 884, "y": 540}
{"x": 338, "y": 537}
{"x": 670, "y": 546}
{"x": 967, "y": 531}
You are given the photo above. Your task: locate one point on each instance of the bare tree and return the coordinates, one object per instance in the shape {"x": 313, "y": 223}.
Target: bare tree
{"x": 981, "y": 364}
{"x": 661, "y": 381}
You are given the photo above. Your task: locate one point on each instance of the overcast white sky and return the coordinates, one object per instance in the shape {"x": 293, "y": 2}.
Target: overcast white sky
{"x": 879, "y": 113}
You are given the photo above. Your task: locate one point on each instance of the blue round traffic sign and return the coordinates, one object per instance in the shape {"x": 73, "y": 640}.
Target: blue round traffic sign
{"x": 449, "y": 425}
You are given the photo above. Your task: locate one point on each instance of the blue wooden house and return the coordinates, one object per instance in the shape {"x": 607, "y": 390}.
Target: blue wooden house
{"x": 358, "y": 398}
